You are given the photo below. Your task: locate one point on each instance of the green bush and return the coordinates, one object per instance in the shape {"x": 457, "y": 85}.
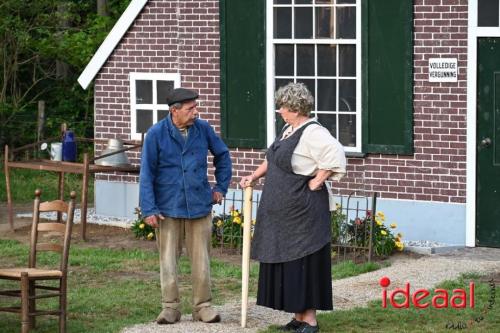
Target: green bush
{"x": 227, "y": 229}
{"x": 141, "y": 229}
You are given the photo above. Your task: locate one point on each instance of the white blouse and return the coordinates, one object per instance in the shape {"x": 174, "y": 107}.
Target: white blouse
{"x": 317, "y": 149}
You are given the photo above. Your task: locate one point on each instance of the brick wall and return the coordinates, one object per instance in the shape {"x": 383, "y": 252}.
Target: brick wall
{"x": 183, "y": 37}
{"x": 167, "y": 37}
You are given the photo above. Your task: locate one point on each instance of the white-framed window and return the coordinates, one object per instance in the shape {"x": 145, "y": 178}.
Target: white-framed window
{"x": 148, "y": 99}
{"x": 318, "y": 42}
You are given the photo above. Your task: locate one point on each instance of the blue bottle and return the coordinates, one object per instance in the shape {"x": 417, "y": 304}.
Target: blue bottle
{"x": 69, "y": 146}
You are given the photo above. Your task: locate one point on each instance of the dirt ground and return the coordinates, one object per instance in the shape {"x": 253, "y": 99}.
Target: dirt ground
{"x": 98, "y": 236}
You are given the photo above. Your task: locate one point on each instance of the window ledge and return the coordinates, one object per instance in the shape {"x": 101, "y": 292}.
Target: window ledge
{"x": 353, "y": 154}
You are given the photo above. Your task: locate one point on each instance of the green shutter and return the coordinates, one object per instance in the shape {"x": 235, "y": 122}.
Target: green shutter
{"x": 388, "y": 76}
{"x": 243, "y": 73}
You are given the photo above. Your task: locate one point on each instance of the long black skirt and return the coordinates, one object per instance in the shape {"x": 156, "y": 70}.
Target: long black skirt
{"x": 298, "y": 285}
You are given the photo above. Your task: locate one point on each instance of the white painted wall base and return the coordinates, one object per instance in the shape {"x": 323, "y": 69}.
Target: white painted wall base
{"x": 417, "y": 220}
{"x": 116, "y": 199}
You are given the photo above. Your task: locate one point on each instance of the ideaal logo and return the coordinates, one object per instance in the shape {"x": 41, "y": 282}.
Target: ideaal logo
{"x": 460, "y": 298}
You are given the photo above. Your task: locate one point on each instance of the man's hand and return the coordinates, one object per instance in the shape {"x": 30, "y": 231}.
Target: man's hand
{"x": 217, "y": 197}
{"x": 152, "y": 220}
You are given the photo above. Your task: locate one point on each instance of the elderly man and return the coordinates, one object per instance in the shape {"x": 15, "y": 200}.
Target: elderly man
{"x": 176, "y": 198}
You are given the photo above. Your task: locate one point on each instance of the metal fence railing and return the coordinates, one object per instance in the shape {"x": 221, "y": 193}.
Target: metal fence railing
{"x": 351, "y": 223}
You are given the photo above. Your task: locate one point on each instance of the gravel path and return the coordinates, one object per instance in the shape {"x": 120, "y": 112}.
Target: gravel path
{"x": 423, "y": 272}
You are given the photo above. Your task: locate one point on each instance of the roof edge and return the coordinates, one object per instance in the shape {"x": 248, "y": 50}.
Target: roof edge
{"x": 109, "y": 44}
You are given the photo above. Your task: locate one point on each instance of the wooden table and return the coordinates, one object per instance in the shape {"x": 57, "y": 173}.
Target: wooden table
{"x": 85, "y": 168}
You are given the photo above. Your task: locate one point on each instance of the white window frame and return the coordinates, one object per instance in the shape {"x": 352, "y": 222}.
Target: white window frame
{"x": 270, "y": 79}
{"x": 154, "y": 77}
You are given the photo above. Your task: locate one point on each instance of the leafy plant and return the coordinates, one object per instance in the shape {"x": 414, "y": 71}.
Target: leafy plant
{"x": 140, "y": 228}
{"x": 337, "y": 217}
{"x": 356, "y": 232}
{"x": 384, "y": 241}
{"x": 227, "y": 229}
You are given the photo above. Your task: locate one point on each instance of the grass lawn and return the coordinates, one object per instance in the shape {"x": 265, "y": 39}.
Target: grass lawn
{"x": 374, "y": 318}
{"x": 24, "y": 182}
{"x": 111, "y": 289}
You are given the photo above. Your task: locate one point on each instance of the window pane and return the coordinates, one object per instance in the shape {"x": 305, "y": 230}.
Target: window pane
{"x": 487, "y": 13}
{"x": 144, "y": 120}
{"x": 347, "y": 60}
{"x": 284, "y": 60}
{"x": 327, "y": 60}
{"x": 346, "y": 1}
{"x": 305, "y": 60}
{"x": 303, "y": 2}
{"x": 347, "y": 130}
{"x": 324, "y": 22}
{"x": 303, "y": 22}
{"x": 347, "y": 95}
{"x": 346, "y": 22}
{"x": 329, "y": 121}
{"x": 323, "y": 1}
{"x": 282, "y": 2}
{"x": 162, "y": 89}
{"x": 162, "y": 114}
{"x": 326, "y": 95}
{"x": 283, "y": 22}
{"x": 144, "y": 92}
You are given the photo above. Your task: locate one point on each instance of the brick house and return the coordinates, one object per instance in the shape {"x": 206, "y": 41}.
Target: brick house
{"x": 399, "y": 83}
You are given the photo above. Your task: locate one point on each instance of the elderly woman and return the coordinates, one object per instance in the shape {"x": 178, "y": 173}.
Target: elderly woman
{"x": 292, "y": 235}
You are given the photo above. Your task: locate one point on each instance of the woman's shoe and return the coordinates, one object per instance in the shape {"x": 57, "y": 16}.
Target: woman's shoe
{"x": 291, "y": 326}
{"x": 306, "y": 328}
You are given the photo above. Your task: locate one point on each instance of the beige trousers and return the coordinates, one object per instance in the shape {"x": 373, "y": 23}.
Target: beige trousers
{"x": 170, "y": 236}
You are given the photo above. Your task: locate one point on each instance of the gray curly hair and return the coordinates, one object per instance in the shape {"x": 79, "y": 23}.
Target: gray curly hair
{"x": 296, "y": 97}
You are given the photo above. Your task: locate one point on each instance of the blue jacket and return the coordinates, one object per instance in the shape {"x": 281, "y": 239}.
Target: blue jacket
{"x": 173, "y": 179}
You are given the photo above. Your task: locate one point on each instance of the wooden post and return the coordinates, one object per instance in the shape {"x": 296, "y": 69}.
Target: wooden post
{"x": 60, "y": 193}
{"x": 85, "y": 182}
{"x": 245, "y": 260}
{"x": 40, "y": 120}
{"x": 7, "y": 187}
{"x": 64, "y": 128}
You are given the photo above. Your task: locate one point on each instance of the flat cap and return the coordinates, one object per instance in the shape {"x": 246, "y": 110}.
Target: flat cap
{"x": 180, "y": 95}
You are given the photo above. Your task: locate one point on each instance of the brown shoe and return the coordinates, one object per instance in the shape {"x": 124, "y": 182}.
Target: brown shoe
{"x": 206, "y": 315}
{"x": 168, "y": 316}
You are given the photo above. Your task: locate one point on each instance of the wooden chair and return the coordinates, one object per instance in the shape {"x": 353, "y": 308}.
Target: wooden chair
{"x": 30, "y": 277}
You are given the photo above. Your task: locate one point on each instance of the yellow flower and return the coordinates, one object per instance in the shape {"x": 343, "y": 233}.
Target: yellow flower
{"x": 237, "y": 220}
{"x": 398, "y": 239}
{"x": 400, "y": 235}
{"x": 383, "y": 232}
{"x": 141, "y": 226}
{"x": 399, "y": 246}
{"x": 381, "y": 216}
{"x": 235, "y": 213}
{"x": 219, "y": 223}
{"x": 150, "y": 235}
{"x": 379, "y": 223}
{"x": 393, "y": 225}
{"x": 253, "y": 222}
{"x": 337, "y": 206}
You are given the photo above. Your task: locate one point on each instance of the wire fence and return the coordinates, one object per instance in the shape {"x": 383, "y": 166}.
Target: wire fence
{"x": 351, "y": 226}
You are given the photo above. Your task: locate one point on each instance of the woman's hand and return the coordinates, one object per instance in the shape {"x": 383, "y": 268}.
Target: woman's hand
{"x": 315, "y": 185}
{"x": 246, "y": 181}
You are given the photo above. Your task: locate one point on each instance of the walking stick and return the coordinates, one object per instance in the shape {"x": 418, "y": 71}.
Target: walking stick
{"x": 245, "y": 260}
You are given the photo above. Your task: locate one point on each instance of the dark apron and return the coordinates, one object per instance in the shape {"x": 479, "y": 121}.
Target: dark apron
{"x": 292, "y": 221}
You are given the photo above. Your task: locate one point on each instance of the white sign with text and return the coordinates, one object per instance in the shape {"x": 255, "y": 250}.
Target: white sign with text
{"x": 443, "y": 70}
